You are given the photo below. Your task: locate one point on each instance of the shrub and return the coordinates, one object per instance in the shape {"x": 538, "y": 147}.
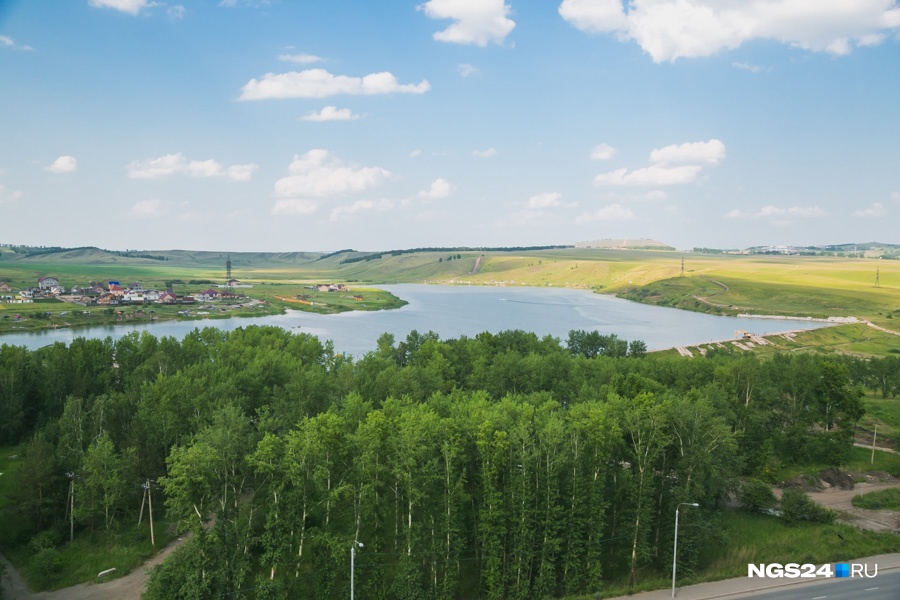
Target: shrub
{"x": 46, "y": 566}
{"x": 756, "y": 495}
{"x": 796, "y": 506}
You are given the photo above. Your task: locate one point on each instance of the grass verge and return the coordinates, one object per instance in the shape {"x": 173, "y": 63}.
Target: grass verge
{"x": 761, "y": 539}
{"x": 883, "y": 500}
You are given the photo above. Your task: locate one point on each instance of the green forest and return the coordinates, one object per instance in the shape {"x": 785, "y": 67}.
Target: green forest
{"x": 497, "y": 466}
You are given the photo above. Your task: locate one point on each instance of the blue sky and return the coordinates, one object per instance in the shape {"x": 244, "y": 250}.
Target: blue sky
{"x": 300, "y": 125}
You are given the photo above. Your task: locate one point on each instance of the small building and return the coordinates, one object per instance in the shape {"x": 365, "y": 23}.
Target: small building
{"x": 137, "y": 286}
{"x": 45, "y": 284}
{"x": 5, "y": 287}
{"x": 167, "y": 298}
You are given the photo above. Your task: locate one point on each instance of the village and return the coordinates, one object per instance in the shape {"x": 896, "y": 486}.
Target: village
{"x": 114, "y": 294}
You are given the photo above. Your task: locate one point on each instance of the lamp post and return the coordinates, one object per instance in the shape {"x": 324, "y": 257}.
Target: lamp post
{"x": 352, "y": 561}
{"x": 675, "y": 550}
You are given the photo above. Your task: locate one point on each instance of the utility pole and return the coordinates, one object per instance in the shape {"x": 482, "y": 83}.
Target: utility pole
{"x": 874, "y": 437}
{"x": 71, "y": 505}
{"x": 150, "y": 503}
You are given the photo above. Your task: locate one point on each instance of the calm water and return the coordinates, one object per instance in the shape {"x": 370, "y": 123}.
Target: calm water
{"x": 456, "y": 311}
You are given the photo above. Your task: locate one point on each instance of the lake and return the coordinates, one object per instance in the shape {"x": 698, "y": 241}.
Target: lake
{"x": 455, "y": 311}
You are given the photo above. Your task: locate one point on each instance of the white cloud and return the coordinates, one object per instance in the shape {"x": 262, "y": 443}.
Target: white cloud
{"x": 440, "y": 188}
{"x": 319, "y": 174}
{"x": 146, "y": 209}
{"x": 608, "y": 213}
{"x": 467, "y": 70}
{"x": 319, "y": 83}
{"x": 602, "y": 152}
{"x": 656, "y": 195}
{"x": 672, "y": 165}
{"x": 176, "y": 12}
{"x": 484, "y": 153}
{"x": 132, "y": 7}
{"x": 340, "y": 211}
{"x": 671, "y": 29}
{"x": 775, "y": 212}
{"x": 545, "y": 200}
{"x": 295, "y": 206}
{"x": 652, "y": 175}
{"x": 415, "y": 153}
{"x": 895, "y": 196}
{"x": 876, "y": 210}
{"x": 303, "y": 59}
{"x": 478, "y": 22}
{"x": 710, "y": 152}
{"x": 748, "y": 67}
{"x": 331, "y": 113}
{"x": 8, "y": 196}
{"x": 63, "y": 164}
{"x": 177, "y": 164}
{"x": 8, "y": 42}
{"x": 594, "y": 16}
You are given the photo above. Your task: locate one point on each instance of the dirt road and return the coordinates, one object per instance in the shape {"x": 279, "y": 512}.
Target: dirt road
{"x": 129, "y": 587}
{"x": 841, "y": 501}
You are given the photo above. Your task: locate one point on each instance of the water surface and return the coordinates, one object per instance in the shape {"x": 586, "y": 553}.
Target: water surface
{"x": 455, "y": 311}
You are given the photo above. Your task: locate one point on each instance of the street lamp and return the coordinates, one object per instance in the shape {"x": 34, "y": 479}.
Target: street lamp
{"x": 675, "y": 550}
{"x": 352, "y": 560}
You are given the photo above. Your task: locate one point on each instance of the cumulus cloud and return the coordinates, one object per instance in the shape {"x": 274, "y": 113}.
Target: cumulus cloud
{"x": 415, "y": 153}
{"x": 319, "y": 174}
{"x": 177, "y": 164}
{"x": 331, "y": 113}
{"x": 710, "y": 153}
{"x": 146, "y": 209}
{"x": 319, "y": 83}
{"x": 63, "y": 164}
{"x": 303, "y": 59}
{"x": 440, "y": 189}
{"x": 132, "y": 7}
{"x": 339, "y": 212}
{"x": 671, "y": 29}
{"x": 602, "y": 152}
{"x": 467, "y": 70}
{"x": 672, "y": 165}
{"x": 652, "y": 175}
{"x": 8, "y": 196}
{"x": 776, "y": 212}
{"x": 545, "y": 200}
{"x": 477, "y": 22}
{"x": 484, "y": 153}
{"x": 877, "y": 209}
{"x": 895, "y": 196}
{"x": 606, "y": 214}
{"x": 176, "y": 12}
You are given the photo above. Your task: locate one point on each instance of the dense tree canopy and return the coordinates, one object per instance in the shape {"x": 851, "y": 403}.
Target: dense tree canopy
{"x": 499, "y": 466}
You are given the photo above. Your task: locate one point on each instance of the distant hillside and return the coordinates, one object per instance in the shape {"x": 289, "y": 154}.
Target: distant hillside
{"x": 90, "y": 255}
{"x": 642, "y": 243}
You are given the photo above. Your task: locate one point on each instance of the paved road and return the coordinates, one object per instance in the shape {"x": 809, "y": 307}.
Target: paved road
{"x": 882, "y": 587}
{"x": 887, "y": 581}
